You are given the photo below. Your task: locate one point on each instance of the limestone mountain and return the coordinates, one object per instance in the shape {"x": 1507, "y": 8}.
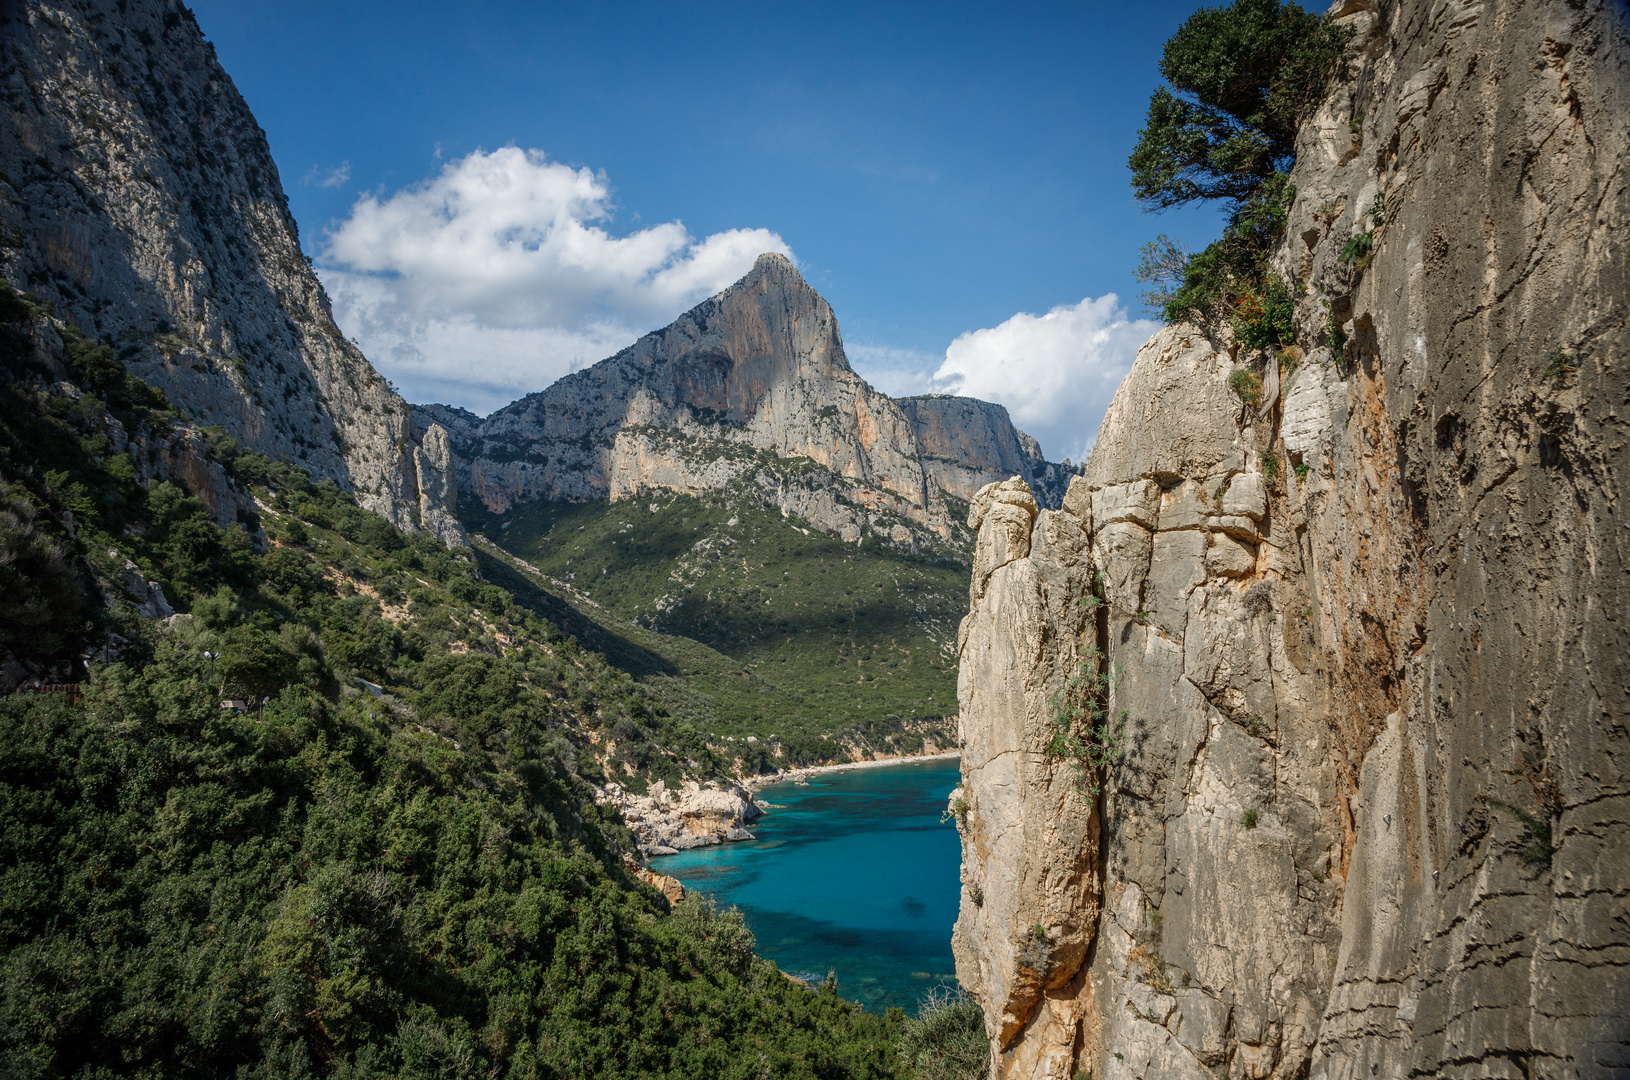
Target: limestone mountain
{"x": 752, "y": 384}
{"x": 1364, "y": 638}
{"x": 142, "y": 203}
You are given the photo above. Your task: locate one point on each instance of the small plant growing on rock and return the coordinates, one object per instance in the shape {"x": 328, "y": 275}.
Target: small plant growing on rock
{"x": 1357, "y": 250}
{"x": 1270, "y": 468}
{"x": 1302, "y": 469}
{"x": 1082, "y": 727}
{"x": 977, "y": 895}
{"x": 1559, "y": 363}
{"x": 1248, "y": 819}
{"x": 1247, "y": 386}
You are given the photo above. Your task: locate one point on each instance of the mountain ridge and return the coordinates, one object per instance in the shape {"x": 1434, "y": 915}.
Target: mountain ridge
{"x": 757, "y": 369}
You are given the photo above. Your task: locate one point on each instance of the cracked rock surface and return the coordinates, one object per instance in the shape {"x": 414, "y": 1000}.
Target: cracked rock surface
{"x": 1370, "y": 816}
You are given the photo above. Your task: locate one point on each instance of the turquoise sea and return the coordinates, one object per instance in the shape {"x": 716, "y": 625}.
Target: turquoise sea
{"x": 854, "y": 873}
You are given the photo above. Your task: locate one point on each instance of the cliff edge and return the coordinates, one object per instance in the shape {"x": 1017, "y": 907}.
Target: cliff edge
{"x": 1363, "y": 645}
{"x": 142, "y": 203}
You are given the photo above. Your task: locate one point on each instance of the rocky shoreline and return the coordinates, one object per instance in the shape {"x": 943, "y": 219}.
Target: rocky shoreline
{"x": 666, "y": 821}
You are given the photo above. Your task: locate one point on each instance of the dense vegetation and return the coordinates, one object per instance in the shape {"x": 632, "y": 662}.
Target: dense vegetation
{"x": 387, "y": 861}
{"x": 1240, "y": 80}
{"x": 758, "y": 626}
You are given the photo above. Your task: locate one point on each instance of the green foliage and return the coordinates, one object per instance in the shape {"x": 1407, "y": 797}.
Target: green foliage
{"x": 1262, "y": 320}
{"x": 408, "y": 880}
{"x": 755, "y": 628}
{"x": 946, "y": 1039}
{"x": 1539, "y": 849}
{"x": 1559, "y": 362}
{"x": 1334, "y": 337}
{"x": 44, "y": 608}
{"x": 308, "y": 893}
{"x": 1235, "y": 264}
{"x": 1270, "y": 467}
{"x": 1248, "y": 819}
{"x": 1302, "y": 469}
{"x": 1240, "y": 79}
{"x": 1083, "y": 730}
{"x": 1162, "y": 264}
{"x": 1356, "y": 251}
{"x": 1246, "y": 385}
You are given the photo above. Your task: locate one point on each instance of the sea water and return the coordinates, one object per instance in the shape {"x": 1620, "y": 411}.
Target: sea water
{"x": 854, "y": 873}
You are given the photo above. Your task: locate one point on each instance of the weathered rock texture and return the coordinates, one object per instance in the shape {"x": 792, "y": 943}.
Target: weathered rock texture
{"x": 1373, "y": 817}
{"x": 141, "y": 200}
{"x": 964, "y": 444}
{"x": 738, "y": 387}
{"x": 669, "y": 820}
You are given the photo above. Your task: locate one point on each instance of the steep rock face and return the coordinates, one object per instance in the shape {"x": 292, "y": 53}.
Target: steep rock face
{"x": 965, "y": 443}
{"x": 143, "y": 203}
{"x": 1371, "y": 813}
{"x": 755, "y": 374}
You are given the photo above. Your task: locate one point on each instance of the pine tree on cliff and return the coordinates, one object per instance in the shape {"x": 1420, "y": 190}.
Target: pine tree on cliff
{"x": 1240, "y": 79}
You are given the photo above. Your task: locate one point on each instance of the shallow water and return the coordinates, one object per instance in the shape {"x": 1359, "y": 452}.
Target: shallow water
{"x": 854, "y": 873}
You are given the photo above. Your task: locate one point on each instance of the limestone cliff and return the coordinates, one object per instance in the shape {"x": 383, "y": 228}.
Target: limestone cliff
{"x": 142, "y": 202}
{"x": 965, "y": 443}
{"x": 745, "y": 385}
{"x": 1370, "y": 817}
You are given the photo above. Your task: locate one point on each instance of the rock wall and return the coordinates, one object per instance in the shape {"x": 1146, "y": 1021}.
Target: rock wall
{"x": 1369, "y": 817}
{"x": 965, "y": 443}
{"x": 753, "y": 377}
{"x": 142, "y": 202}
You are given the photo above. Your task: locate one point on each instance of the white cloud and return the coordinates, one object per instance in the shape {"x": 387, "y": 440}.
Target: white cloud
{"x": 1056, "y": 373}
{"x": 498, "y": 276}
{"x": 331, "y": 179}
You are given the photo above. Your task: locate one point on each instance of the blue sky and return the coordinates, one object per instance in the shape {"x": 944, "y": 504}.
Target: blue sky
{"x": 936, "y": 170}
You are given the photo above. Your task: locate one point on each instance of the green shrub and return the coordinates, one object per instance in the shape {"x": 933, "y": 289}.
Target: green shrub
{"x": 1557, "y": 363}
{"x": 1248, "y": 819}
{"x": 946, "y": 1039}
{"x": 1356, "y": 251}
{"x": 1263, "y": 319}
{"x": 1247, "y": 386}
{"x": 1083, "y": 730}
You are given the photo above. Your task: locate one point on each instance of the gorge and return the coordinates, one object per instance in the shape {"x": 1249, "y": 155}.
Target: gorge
{"x": 342, "y": 736}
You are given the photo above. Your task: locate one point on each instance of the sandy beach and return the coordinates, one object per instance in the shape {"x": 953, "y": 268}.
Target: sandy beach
{"x": 753, "y": 783}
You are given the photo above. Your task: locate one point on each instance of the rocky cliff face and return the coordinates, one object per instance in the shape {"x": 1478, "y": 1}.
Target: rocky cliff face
{"x": 142, "y": 202}
{"x": 1370, "y": 813}
{"x": 735, "y": 389}
{"x": 965, "y": 443}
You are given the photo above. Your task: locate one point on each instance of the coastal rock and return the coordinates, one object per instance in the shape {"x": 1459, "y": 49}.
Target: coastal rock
{"x": 667, "y": 820}
{"x": 1366, "y": 819}
{"x": 1028, "y": 863}
{"x": 143, "y": 205}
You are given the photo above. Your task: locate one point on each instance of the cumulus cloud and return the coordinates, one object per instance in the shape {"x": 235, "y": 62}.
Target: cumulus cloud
{"x": 1056, "y": 373}
{"x": 499, "y": 275}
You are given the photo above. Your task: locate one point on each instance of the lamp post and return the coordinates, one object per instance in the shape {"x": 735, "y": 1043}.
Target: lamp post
{"x": 212, "y": 656}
